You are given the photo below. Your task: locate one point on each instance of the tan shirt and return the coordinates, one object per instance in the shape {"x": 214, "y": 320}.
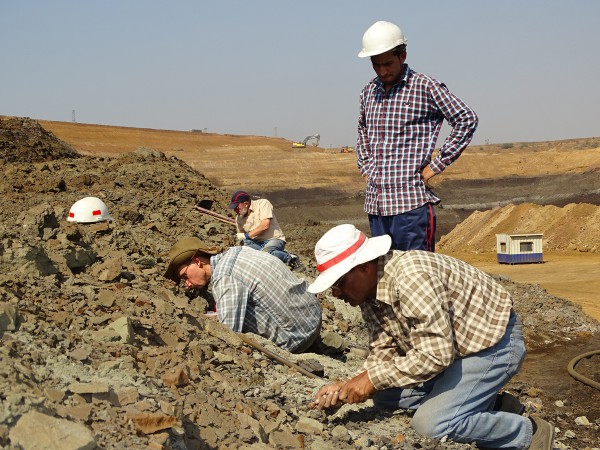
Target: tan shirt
{"x": 259, "y": 210}
{"x": 431, "y": 309}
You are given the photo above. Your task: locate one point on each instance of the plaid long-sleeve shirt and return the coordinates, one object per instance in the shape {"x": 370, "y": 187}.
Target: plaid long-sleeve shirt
{"x": 397, "y": 133}
{"x": 430, "y": 310}
{"x": 255, "y": 292}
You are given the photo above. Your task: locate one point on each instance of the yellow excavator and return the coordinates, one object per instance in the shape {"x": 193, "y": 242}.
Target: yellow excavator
{"x": 314, "y": 139}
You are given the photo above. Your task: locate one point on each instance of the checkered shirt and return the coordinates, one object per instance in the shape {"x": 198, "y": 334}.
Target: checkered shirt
{"x": 255, "y": 292}
{"x": 430, "y": 310}
{"x": 397, "y": 133}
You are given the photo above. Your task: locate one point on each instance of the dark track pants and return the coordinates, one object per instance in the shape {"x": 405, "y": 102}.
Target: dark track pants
{"x": 412, "y": 230}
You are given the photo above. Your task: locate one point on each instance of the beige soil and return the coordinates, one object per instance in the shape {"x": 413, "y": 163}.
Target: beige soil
{"x": 570, "y": 275}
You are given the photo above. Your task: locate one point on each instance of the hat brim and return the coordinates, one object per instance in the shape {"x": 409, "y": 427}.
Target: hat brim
{"x": 177, "y": 261}
{"x": 374, "y": 248}
{"x": 183, "y": 251}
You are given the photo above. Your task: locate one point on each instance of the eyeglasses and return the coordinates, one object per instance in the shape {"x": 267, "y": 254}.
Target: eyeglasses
{"x": 184, "y": 276}
{"x": 336, "y": 288}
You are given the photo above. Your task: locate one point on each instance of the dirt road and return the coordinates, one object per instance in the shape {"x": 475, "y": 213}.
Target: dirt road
{"x": 571, "y": 275}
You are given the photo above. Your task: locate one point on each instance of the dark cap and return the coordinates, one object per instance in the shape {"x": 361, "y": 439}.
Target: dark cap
{"x": 237, "y": 198}
{"x": 183, "y": 251}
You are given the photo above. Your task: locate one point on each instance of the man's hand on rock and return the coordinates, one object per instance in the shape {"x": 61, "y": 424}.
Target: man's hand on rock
{"x": 358, "y": 389}
{"x": 327, "y": 397}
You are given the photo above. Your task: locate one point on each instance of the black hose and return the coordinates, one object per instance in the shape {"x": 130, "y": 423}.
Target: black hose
{"x": 578, "y": 376}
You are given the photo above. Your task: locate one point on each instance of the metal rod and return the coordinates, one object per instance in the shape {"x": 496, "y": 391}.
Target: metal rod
{"x": 220, "y": 217}
{"x": 276, "y": 357}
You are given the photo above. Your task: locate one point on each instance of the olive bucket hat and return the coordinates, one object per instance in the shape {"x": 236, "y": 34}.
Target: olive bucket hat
{"x": 183, "y": 251}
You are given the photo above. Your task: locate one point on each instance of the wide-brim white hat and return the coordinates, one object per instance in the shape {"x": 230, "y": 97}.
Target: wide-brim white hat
{"x": 341, "y": 249}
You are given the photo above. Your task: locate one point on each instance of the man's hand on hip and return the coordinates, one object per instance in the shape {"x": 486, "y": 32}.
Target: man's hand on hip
{"x": 427, "y": 175}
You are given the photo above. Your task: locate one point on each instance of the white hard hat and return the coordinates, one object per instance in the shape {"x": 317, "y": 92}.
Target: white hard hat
{"x": 381, "y": 37}
{"x": 88, "y": 210}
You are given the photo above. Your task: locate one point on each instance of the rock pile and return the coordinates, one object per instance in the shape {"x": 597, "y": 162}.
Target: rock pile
{"x": 573, "y": 227}
{"x": 24, "y": 140}
{"x": 98, "y": 350}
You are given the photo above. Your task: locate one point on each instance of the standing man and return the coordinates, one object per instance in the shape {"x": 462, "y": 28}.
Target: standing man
{"x": 401, "y": 114}
{"x": 253, "y": 291}
{"x": 443, "y": 340}
{"x": 258, "y": 228}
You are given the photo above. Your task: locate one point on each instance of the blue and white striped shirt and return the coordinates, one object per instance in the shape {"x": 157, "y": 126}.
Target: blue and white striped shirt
{"x": 397, "y": 133}
{"x": 256, "y": 292}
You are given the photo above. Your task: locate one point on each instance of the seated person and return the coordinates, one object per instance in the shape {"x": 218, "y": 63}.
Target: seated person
{"x": 258, "y": 228}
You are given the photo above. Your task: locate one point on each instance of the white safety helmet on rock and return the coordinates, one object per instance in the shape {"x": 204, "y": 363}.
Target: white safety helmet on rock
{"x": 89, "y": 210}
{"x": 381, "y": 37}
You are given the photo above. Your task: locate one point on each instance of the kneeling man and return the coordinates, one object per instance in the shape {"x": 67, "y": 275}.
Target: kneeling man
{"x": 444, "y": 339}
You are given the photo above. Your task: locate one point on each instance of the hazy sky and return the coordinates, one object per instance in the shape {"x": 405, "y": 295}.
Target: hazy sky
{"x": 529, "y": 68}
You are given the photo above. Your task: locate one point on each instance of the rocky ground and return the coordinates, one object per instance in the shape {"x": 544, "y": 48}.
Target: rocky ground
{"x": 98, "y": 350}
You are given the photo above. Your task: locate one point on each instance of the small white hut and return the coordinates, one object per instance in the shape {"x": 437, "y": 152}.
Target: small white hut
{"x": 519, "y": 248}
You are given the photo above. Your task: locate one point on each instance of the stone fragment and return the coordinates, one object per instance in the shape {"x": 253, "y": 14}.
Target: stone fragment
{"x": 340, "y": 433}
{"x": 177, "y": 376}
{"x": 149, "y": 423}
{"x": 284, "y": 439}
{"x": 109, "y": 270}
{"x": 88, "y": 388}
{"x": 255, "y": 426}
{"x": 105, "y": 335}
{"x": 81, "y": 353}
{"x": 582, "y": 420}
{"x": 220, "y": 331}
{"x": 309, "y": 426}
{"x": 81, "y": 412}
{"x": 169, "y": 339}
{"x": 35, "y": 430}
{"x": 79, "y": 258}
{"x": 123, "y": 396}
{"x": 122, "y": 326}
{"x": 8, "y": 317}
{"x": 313, "y": 366}
{"x": 106, "y": 298}
{"x": 55, "y": 395}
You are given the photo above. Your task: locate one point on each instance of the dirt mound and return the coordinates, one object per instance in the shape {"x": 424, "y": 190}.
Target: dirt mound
{"x": 97, "y": 347}
{"x": 572, "y": 227}
{"x": 24, "y": 140}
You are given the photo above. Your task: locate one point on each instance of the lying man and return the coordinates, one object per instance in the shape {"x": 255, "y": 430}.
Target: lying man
{"x": 444, "y": 339}
{"x": 253, "y": 291}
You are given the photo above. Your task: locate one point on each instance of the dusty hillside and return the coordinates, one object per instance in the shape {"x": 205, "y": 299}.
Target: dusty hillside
{"x": 572, "y": 227}
{"x": 230, "y": 161}
{"x": 526, "y": 159}
{"x": 99, "y": 350}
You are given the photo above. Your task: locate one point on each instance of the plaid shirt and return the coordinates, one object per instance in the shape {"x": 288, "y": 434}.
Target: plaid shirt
{"x": 397, "y": 133}
{"x": 255, "y": 292}
{"x": 430, "y": 310}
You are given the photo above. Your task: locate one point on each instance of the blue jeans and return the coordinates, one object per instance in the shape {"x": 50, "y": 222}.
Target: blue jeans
{"x": 273, "y": 246}
{"x": 458, "y": 402}
{"x": 412, "y": 230}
